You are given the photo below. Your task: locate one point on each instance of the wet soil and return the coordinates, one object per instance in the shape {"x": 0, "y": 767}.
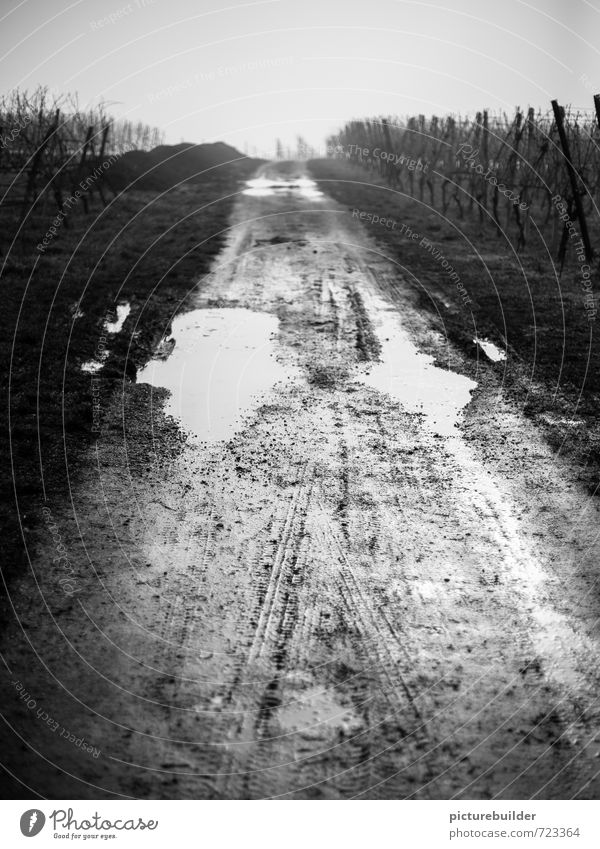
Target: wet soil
{"x": 356, "y": 580}
{"x": 476, "y": 284}
{"x": 61, "y": 349}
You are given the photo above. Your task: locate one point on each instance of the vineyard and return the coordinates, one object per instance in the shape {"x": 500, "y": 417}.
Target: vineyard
{"x": 532, "y": 174}
{"x": 49, "y": 145}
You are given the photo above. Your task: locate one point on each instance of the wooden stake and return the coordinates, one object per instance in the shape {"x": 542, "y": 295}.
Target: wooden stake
{"x": 88, "y": 138}
{"x": 559, "y": 118}
{"x": 597, "y": 105}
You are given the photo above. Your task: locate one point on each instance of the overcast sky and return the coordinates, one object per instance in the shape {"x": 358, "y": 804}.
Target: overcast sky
{"x": 251, "y": 72}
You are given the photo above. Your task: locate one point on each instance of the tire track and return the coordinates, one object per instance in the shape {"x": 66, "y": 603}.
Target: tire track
{"x": 360, "y": 606}
{"x": 269, "y": 648}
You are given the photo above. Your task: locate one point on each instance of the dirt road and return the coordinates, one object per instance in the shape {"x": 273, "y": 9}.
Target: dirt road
{"x": 364, "y": 575}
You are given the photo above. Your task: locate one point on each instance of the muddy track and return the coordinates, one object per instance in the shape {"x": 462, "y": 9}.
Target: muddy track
{"x": 342, "y": 599}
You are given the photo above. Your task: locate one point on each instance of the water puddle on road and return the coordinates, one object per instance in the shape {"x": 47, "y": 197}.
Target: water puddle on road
{"x": 411, "y": 378}
{"x": 560, "y": 647}
{"x": 261, "y": 187}
{"x": 123, "y": 311}
{"x": 111, "y": 327}
{"x": 491, "y": 351}
{"x": 317, "y": 714}
{"x": 93, "y": 366}
{"x": 218, "y": 370}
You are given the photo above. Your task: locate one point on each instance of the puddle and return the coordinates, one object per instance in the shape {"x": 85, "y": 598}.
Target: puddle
{"x": 560, "y": 647}
{"x": 218, "y": 370}
{"x": 112, "y": 327}
{"x": 123, "y": 311}
{"x": 300, "y": 187}
{"x": 316, "y": 714}
{"x": 92, "y": 366}
{"x": 491, "y": 351}
{"x": 412, "y": 379}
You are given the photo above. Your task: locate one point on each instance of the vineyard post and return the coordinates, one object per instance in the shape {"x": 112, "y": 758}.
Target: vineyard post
{"x": 512, "y": 163}
{"x": 597, "y": 105}
{"x": 558, "y": 117}
{"x": 104, "y": 138}
{"x": 86, "y": 144}
{"x": 486, "y": 157}
{"x": 435, "y": 135}
{"x": 387, "y": 141}
{"x": 101, "y": 159}
{"x": 408, "y": 139}
{"x": 424, "y": 139}
{"x": 473, "y": 178}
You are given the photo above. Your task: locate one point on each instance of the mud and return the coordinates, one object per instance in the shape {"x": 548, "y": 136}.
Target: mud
{"x": 369, "y": 585}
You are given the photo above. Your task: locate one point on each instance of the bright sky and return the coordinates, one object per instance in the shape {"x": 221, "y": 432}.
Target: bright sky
{"x": 254, "y": 71}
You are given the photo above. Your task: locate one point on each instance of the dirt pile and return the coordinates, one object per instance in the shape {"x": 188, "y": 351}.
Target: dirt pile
{"x": 168, "y": 165}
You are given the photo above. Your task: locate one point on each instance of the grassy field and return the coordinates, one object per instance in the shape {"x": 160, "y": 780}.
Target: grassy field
{"x": 516, "y": 300}
{"x": 146, "y": 248}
